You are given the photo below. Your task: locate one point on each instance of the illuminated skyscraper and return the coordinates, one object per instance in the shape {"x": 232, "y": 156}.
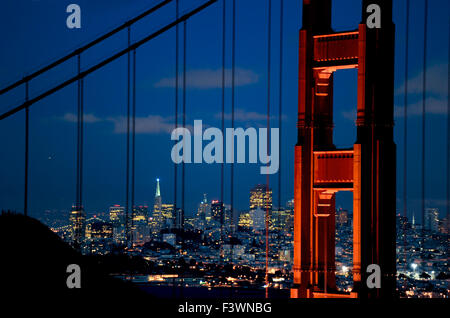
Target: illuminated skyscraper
{"x": 281, "y": 220}
{"x": 168, "y": 217}
{"x": 157, "y": 206}
{"x": 432, "y": 219}
{"x": 444, "y": 225}
{"x": 140, "y": 215}
{"x": 261, "y": 196}
{"x": 117, "y": 219}
{"x": 217, "y": 210}
{"x": 204, "y": 209}
{"x": 342, "y": 217}
{"x": 77, "y": 221}
{"x": 140, "y": 229}
{"x": 163, "y": 214}
{"x": 99, "y": 229}
{"x": 117, "y": 214}
{"x": 244, "y": 220}
{"x": 258, "y": 217}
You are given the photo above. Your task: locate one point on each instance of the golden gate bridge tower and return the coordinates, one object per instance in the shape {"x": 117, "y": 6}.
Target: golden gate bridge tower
{"x": 368, "y": 169}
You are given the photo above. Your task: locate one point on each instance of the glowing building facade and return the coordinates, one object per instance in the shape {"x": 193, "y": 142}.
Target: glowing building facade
{"x": 261, "y": 196}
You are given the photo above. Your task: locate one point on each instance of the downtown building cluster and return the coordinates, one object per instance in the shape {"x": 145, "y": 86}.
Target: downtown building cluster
{"x": 219, "y": 248}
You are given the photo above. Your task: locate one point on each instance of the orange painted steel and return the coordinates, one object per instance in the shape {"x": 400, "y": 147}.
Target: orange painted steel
{"x": 321, "y": 170}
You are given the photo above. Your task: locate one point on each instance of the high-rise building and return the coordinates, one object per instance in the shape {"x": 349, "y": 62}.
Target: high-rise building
{"x": 258, "y": 217}
{"x": 157, "y": 206}
{"x": 117, "y": 219}
{"x": 179, "y": 218}
{"x": 99, "y": 229}
{"x": 168, "y": 216}
{"x": 281, "y": 220}
{"x": 228, "y": 219}
{"x": 261, "y": 196}
{"x": 444, "y": 225}
{"x": 290, "y": 211}
{"x": 204, "y": 209}
{"x": 139, "y": 226}
{"x": 244, "y": 220}
{"x": 117, "y": 214}
{"x": 140, "y": 233}
{"x": 77, "y": 221}
{"x": 163, "y": 213}
{"x": 432, "y": 219}
{"x": 342, "y": 217}
{"x": 140, "y": 214}
{"x": 217, "y": 211}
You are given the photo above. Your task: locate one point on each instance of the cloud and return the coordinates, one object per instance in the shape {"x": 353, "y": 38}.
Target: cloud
{"x": 436, "y": 81}
{"x": 433, "y": 106}
{"x": 245, "y": 116}
{"x": 242, "y": 115}
{"x": 152, "y": 124}
{"x": 208, "y": 78}
{"x": 88, "y": 118}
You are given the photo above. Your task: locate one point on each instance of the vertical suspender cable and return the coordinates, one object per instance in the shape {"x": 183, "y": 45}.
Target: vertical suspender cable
{"x": 223, "y": 106}
{"x": 78, "y": 204}
{"x": 184, "y": 126}
{"x": 233, "y": 69}
{"x": 183, "y": 171}
{"x": 405, "y": 128}
{"x": 77, "y": 189}
{"x": 448, "y": 135}
{"x": 424, "y": 84}
{"x": 280, "y": 103}
{"x": 27, "y": 133}
{"x": 268, "y": 138}
{"x": 133, "y": 150}
{"x": 175, "y": 166}
{"x": 128, "y": 141}
{"x": 81, "y": 140}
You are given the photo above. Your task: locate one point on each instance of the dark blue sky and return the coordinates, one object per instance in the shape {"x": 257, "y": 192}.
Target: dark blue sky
{"x": 34, "y": 33}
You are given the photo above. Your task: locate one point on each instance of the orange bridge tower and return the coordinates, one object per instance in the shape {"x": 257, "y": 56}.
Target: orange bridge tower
{"x": 368, "y": 169}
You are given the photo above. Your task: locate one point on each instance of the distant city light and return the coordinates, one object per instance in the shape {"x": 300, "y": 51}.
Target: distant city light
{"x": 344, "y": 269}
{"x": 414, "y": 266}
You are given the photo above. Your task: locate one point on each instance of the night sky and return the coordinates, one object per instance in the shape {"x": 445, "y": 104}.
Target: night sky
{"x": 34, "y": 33}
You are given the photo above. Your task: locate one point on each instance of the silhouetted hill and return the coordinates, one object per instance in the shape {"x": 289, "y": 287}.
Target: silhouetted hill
{"x": 34, "y": 261}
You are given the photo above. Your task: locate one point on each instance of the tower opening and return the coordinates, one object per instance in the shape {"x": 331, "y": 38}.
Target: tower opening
{"x": 344, "y": 241}
{"x": 344, "y": 102}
